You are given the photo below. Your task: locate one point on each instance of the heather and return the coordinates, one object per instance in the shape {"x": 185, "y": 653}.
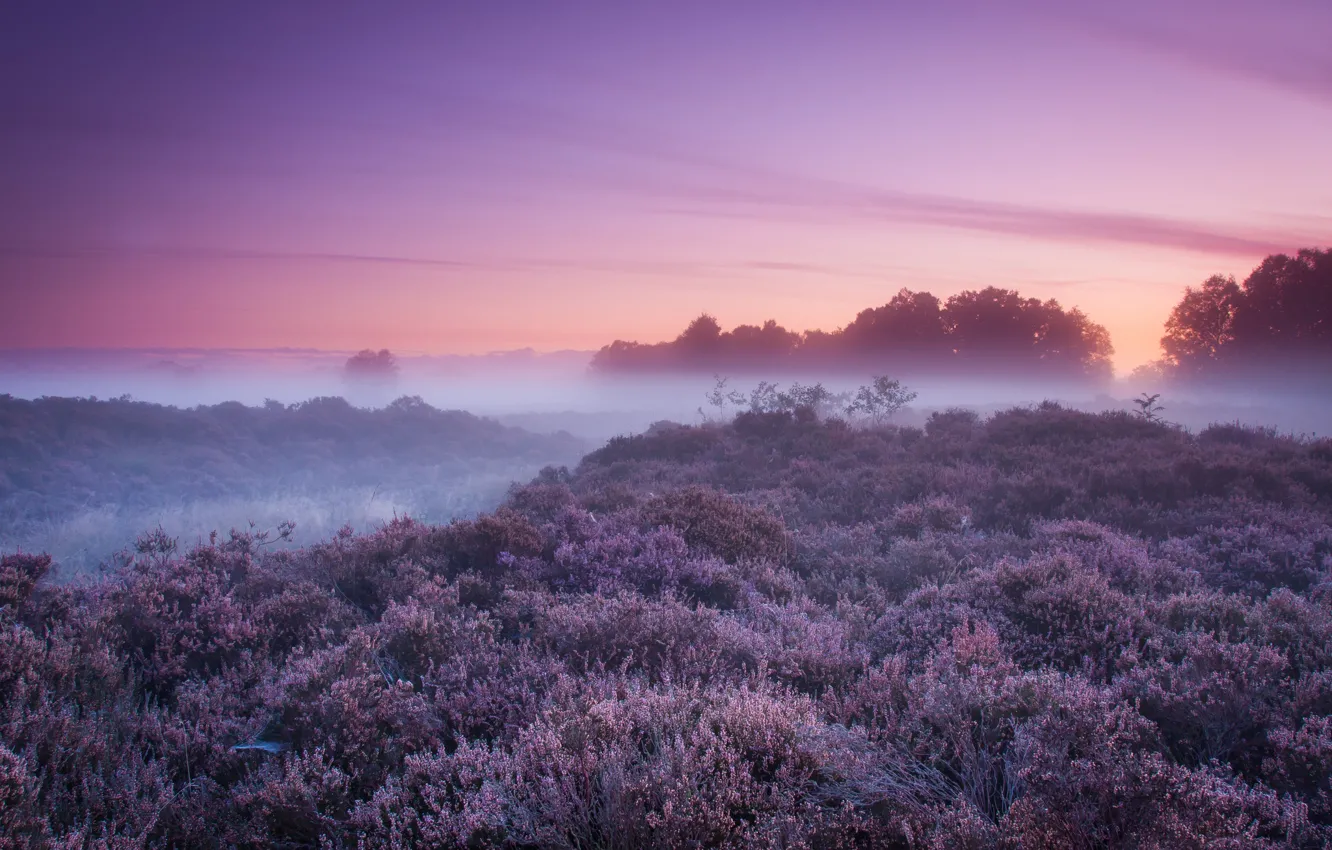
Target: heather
{"x": 1047, "y": 628}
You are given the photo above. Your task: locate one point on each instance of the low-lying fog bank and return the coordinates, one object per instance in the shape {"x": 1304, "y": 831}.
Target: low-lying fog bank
{"x": 81, "y": 478}
{"x": 264, "y": 437}
{"x": 553, "y": 392}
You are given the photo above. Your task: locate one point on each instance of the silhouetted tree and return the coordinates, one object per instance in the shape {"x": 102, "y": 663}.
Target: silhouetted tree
{"x": 878, "y": 401}
{"x": 977, "y": 330}
{"x": 912, "y": 322}
{"x": 1282, "y": 312}
{"x": 1201, "y": 324}
{"x": 759, "y": 345}
{"x": 368, "y": 365}
{"x": 1001, "y": 328}
{"x": 701, "y": 338}
{"x": 1287, "y": 306}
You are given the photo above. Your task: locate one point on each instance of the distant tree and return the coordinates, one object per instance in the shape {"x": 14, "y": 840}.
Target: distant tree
{"x": 1201, "y": 325}
{"x": 771, "y": 398}
{"x": 1074, "y": 343}
{"x": 880, "y": 400}
{"x": 622, "y": 355}
{"x": 1287, "y": 306}
{"x": 992, "y": 321}
{"x": 767, "y": 345}
{"x": 721, "y": 398}
{"x": 911, "y": 323}
{"x": 987, "y": 330}
{"x": 1281, "y": 313}
{"x": 1152, "y": 374}
{"x": 702, "y": 337}
{"x": 1001, "y": 328}
{"x": 369, "y": 365}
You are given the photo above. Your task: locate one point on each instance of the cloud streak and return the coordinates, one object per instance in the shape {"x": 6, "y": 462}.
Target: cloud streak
{"x": 847, "y": 204}
{"x": 665, "y": 268}
{"x": 701, "y": 183}
{"x": 214, "y": 254}
{"x": 1279, "y": 43}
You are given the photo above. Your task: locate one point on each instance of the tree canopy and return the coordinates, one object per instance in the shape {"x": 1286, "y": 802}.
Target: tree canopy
{"x": 984, "y": 330}
{"x": 1281, "y": 315}
{"x": 372, "y": 365}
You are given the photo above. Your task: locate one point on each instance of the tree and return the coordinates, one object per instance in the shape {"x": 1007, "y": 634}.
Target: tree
{"x": 1281, "y": 314}
{"x": 1073, "y": 342}
{"x": 720, "y": 398}
{"x": 912, "y": 322}
{"x": 984, "y": 330}
{"x": 1004, "y": 329}
{"x": 1201, "y": 325}
{"x": 700, "y": 337}
{"x": 880, "y": 400}
{"x": 1287, "y": 306}
{"x": 993, "y": 322}
{"x": 368, "y": 365}
{"x": 816, "y": 400}
{"x": 768, "y": 344}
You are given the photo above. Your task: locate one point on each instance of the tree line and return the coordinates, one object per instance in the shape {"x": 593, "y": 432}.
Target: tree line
{"x": 985, "y": 330}
{"x": 1280, "y": 316}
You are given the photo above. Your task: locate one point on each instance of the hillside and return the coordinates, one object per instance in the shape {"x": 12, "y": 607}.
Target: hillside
{"x": 80, "y": 477}
{"x": 1047, "y": 628}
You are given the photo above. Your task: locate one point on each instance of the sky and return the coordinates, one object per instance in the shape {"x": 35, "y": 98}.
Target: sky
{"x": 466, "y": 177}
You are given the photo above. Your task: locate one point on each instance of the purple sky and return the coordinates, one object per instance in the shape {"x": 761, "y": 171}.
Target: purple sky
{"x": 461, "y": 177}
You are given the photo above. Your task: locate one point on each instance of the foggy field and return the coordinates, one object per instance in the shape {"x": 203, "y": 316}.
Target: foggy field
{"x": 767, "y": 624}
{"x": 549, "y": 393}
{"x": 81, "y": 479}
{"x": 83, "y": 515}
{"x": 664, "y": 611}
{"x": 83, "y": 539}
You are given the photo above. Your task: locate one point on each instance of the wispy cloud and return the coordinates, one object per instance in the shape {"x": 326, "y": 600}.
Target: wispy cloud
{"x": 1280, "y": 43}
{"x": 847, "y": 204}
{"x": 695, "y": 181}
{"x": 208, "y": 254}
{"x": 677, "y": 268}
{"x": 690, "y": 177}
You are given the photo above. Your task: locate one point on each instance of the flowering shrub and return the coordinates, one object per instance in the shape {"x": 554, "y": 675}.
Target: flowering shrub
{"x": 1046, "y": 629}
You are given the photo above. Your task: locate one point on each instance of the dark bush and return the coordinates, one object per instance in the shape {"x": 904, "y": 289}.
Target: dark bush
{"x": 719, "y": 523}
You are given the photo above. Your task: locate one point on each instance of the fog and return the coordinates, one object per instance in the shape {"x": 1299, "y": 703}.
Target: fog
{"x": 553, "y": 392}
{"x": 83, "y": 482}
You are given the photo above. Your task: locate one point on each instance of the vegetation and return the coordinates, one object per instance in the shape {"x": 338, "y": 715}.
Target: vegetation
{"x": 1044, "y": 629}
{"x": 1280, "y": 316}
{"x": 80, "y": 477}
{"x": 1149, "y": 407}
{"x": 874, "y": 403}
{"x": 988, "y": 331}
{"x": 370, "y": 365}
{"x": 1278, "y": 322}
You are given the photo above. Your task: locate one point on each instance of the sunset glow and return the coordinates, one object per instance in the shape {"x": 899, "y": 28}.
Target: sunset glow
{"x": 473, "y": 177}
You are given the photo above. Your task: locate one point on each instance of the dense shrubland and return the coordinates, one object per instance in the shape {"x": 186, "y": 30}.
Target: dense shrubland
{"x": 79, "y": 477}
{"x": 1044, "y": 629}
